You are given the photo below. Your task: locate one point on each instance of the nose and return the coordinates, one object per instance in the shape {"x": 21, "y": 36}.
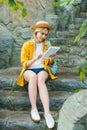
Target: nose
{"x": 44, "y": 35}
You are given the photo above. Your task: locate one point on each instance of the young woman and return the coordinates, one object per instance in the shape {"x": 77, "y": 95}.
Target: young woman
{"x": 35, "y": 71}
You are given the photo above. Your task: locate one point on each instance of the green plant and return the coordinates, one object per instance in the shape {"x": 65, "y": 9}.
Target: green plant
{"x": 82, "y": 31}
{"x": 15, "y": 5}
{"x": 83, "y": 71}
{"x": 83, "y": 28}
{"x": 63, "y": 2}
{"x": 81, "y": 34}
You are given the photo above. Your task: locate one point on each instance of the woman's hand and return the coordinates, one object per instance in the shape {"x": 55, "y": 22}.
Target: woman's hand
{"x": 53, "y": 56}
{"x": 39, "y": 56}
{"x": 51, "y": 59}
{"x": 30, "y": 62}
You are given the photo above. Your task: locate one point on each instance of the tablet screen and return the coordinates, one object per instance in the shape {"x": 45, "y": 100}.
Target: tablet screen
{"x": 52, "y": 50}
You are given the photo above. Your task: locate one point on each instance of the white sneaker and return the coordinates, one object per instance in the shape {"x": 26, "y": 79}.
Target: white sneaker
{"x": 49, "y": 121}
{"x": 35, "y": 115}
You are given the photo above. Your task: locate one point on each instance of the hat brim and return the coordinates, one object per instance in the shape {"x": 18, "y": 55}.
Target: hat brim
{"x": 41, "y": 26}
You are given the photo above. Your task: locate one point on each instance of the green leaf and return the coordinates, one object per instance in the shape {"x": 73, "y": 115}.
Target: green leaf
{"x": 5, "y": 1}
{"x": 82, "y": 76}
{"x": 70, "y": 2}
{"x": 63, "y": 3}
{"x": 77, "y": 39}
{"x": 83, "y": 67}
{"x": 20, "y": 3}
{"x": 78, "y": 90}
{"x": 82, "y": 31}
{"x": 15, "y": 7}
{"x": 11, "y": 3}
{"x": 24, "y": 12}
{"x": 57, "y": 3}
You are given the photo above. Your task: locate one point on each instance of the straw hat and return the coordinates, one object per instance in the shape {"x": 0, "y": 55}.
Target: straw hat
{"x": 41, "y": 24}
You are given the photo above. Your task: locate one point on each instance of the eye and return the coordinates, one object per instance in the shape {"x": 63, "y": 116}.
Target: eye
{"x": 44, "y": 34}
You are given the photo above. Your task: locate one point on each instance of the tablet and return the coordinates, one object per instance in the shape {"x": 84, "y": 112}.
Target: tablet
{"x": 52, "y": 50}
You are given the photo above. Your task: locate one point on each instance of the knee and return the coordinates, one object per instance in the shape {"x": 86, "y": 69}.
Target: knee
{"x": 40, "y": 80}
{"x": 33, "y": 77}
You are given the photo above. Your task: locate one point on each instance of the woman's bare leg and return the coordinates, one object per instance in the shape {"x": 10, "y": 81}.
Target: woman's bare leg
{"x": 31, "y": 78}
{"x": 43, "y": 92}
{"x": 42, "y": 76}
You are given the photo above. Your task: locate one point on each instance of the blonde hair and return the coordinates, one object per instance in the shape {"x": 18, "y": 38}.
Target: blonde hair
{"x": 38, "y": 30}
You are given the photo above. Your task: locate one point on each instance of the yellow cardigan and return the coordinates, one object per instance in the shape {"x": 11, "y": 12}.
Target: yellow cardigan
{"x": 26, "y": 54}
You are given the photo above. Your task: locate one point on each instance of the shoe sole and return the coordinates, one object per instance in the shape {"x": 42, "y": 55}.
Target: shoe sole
{"x": 36, "y": 121}
{"x": 51, "y": 128}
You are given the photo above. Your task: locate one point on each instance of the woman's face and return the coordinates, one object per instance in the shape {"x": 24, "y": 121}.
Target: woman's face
{"x": 41, "y": 35}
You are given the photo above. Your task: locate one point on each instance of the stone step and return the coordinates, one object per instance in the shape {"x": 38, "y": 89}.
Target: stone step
{"x": 66, "y": 34}
{"x": 68, "y": 80}
{"x": 79, "y": 20}
{"x": 20, "y": 120}
{"x": 16, "y": 100}
{"x": 83, "y": 14}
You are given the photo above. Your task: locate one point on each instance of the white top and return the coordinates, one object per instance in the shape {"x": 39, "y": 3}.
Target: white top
{"x": 38, "y": 63}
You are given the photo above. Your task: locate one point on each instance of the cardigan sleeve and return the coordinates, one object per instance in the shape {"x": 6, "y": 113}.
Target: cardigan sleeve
{"x": 24, "y": 55}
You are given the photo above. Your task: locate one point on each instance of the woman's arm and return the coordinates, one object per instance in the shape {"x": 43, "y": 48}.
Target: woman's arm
{"x": 30, "y": 62}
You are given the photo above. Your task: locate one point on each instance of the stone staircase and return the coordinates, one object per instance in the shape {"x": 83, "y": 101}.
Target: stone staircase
{"x": 15, "y": 104}
{"x": 14, "y": 101}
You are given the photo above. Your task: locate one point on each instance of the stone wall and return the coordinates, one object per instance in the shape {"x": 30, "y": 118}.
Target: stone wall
{"x": 14, "y": 31}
